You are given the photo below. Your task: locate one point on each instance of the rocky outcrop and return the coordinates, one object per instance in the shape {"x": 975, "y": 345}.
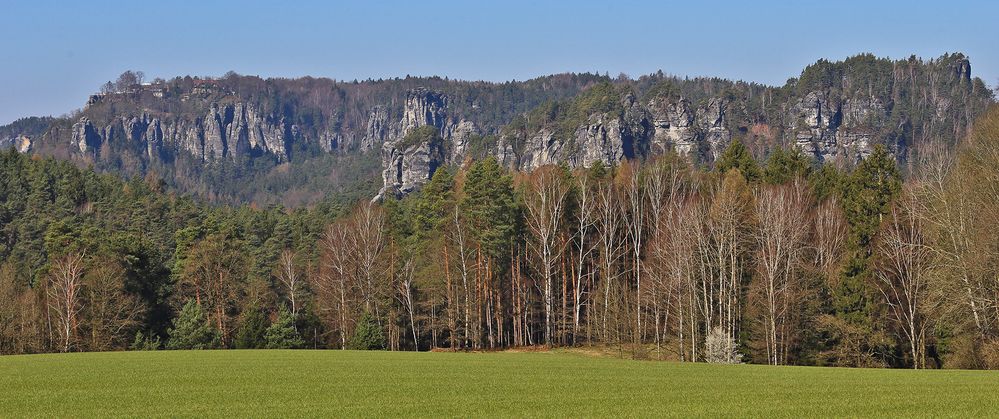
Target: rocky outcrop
{"x": 713, "y": 122}
{"x": 834, "y": 111}
{"x": 673, "y": 126}
{"x": 408, "y": 166}
{"x": 377, "y": 130}
{"x": 22, "y": 143}
{"x": 827, "y": 127}
{"x": 458, "y": 136}
{"x": 85, "y": 136}
{"x": 407, "y": 169}
{"x": 423, "y": 107}
{"x": 154, "y": 140}
{"x": 224, "y": 132}
{"x": 639, "y": 132}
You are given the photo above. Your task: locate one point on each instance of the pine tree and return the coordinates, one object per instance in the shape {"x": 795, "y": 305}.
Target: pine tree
{"x": 251, "y": 333}
{"x": 490, "y": 207}
{"x": 737, "y": 156}
{"x": 282, "y": 334}
{"x": 867, "y": 197}
{"x": 785, "y": 165}
{"x": 191, "y": 330}
{"x": 368, "y": 335}
{"x": 145, "y": 343}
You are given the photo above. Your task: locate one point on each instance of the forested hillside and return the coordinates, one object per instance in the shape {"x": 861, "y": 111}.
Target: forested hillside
{"x": 243, "y": 139}
{"x": 789, "y": 261}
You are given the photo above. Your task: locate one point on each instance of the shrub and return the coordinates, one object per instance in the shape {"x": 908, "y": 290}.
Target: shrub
{"x": 145, "y": 343}
{"x": 720, "y": 348}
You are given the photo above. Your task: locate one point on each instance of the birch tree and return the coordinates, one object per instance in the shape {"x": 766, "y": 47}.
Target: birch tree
{"x": 781, "y": 231}
{"x": 729, "y": 222}
{"x": 65, "y": 297}
{"x": 585, "y": 245}
{"x": 337, "y": 277}
{"x": 291, "y": 280}
{"x": 611, "y": 245}
{"x": 902, "y": 270}
{"x": 368, "y": 224}
{"x": 112, "y": 314}
{"x": 546, "y": 200}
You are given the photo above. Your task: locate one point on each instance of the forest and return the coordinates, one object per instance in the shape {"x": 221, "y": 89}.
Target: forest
{"x": 782, "y": 261}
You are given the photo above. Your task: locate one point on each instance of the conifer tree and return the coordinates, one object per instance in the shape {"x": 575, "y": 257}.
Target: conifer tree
{"x": 191, "y": 330}
{"x": 737, "y": 156}
{"x": 368, "y": 335}
{"x": 282, "y": 333}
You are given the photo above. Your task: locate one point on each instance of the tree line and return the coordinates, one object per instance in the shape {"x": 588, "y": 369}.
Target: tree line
{"x": 784, "y": 262}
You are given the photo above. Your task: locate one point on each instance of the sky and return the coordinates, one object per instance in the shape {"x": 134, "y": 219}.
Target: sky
{"x": 53, "y": 54}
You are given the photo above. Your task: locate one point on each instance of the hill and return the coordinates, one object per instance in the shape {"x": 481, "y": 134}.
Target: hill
{"x": 246, "y": 139}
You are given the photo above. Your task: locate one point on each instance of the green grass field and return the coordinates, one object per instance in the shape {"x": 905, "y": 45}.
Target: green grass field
{"x": 384, "y": 384}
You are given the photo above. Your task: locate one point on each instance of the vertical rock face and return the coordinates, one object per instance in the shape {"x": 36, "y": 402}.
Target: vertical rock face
{"x": 85, "y": 135}
{"x": 154, "y": 140}
{"x": 601, "y": 140}
{"x": 214, "y": 136}
{"x": 640, "y": 131}
{"x": 407, "y": 165}
{"x": 424, "y": 107}
{"x": 377, "y": 129}
{"x": 712, "y": 121}
{"x": 827, "y": 128}
{"x": 832, "y": 111}
{"x": 459, "y": 135}
{"x": 673, "y": 126}
{"x": 224, "y": 132}
{"x": 540, "y": 149}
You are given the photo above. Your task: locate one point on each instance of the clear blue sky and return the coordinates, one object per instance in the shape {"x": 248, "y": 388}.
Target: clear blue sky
{"x": 54, "y": 53}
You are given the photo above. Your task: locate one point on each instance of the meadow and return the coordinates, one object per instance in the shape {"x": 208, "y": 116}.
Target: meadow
{"x": 386, "y": 384}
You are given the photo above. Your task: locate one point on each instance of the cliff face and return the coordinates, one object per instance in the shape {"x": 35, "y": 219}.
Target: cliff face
{"x": 408, "y": 165}
{"x": 240, "y": 127}
{"x": 224, "y": 132}
{"x": 836, "y": 112}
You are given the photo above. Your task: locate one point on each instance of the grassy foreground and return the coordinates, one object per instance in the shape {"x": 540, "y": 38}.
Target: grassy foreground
{"x": 383, "y": 384}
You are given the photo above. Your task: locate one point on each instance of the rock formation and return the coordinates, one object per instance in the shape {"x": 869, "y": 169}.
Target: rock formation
{"x": 834, "y": 111}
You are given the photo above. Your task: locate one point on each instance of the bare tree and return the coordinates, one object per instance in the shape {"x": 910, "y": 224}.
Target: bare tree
{"x": 546, "y": 200}
{"x": 611, "y": 244}
{"x": 9, "y": 294}
{"x": 336, "y": 278}
{"x": 585, "y": 245}
{"x": 953, "y": 220}
{"x": 829, "y": 236}
{"x": 664, "y": 185}
{"x": 780, "y": 233}
{"x": 902, "y": 272}
{"x": 128, "y": 79}
{"x": 214, "y": 268}
{"x": 681, "y": 241}
{"x": 65, "y": 296}
{"x": 635, "y": 202}
{"x": 729, "y": 223}
{"x": 406, "y": 297}
{"x": 368, "y": 224}
{"x": 459, "y": 238}
{"x": 112, "y": 313}
{"x": 289, "y": 277}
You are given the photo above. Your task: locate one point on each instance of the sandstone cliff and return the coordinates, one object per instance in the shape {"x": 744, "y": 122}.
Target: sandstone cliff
{"x": 239, "y": 127}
